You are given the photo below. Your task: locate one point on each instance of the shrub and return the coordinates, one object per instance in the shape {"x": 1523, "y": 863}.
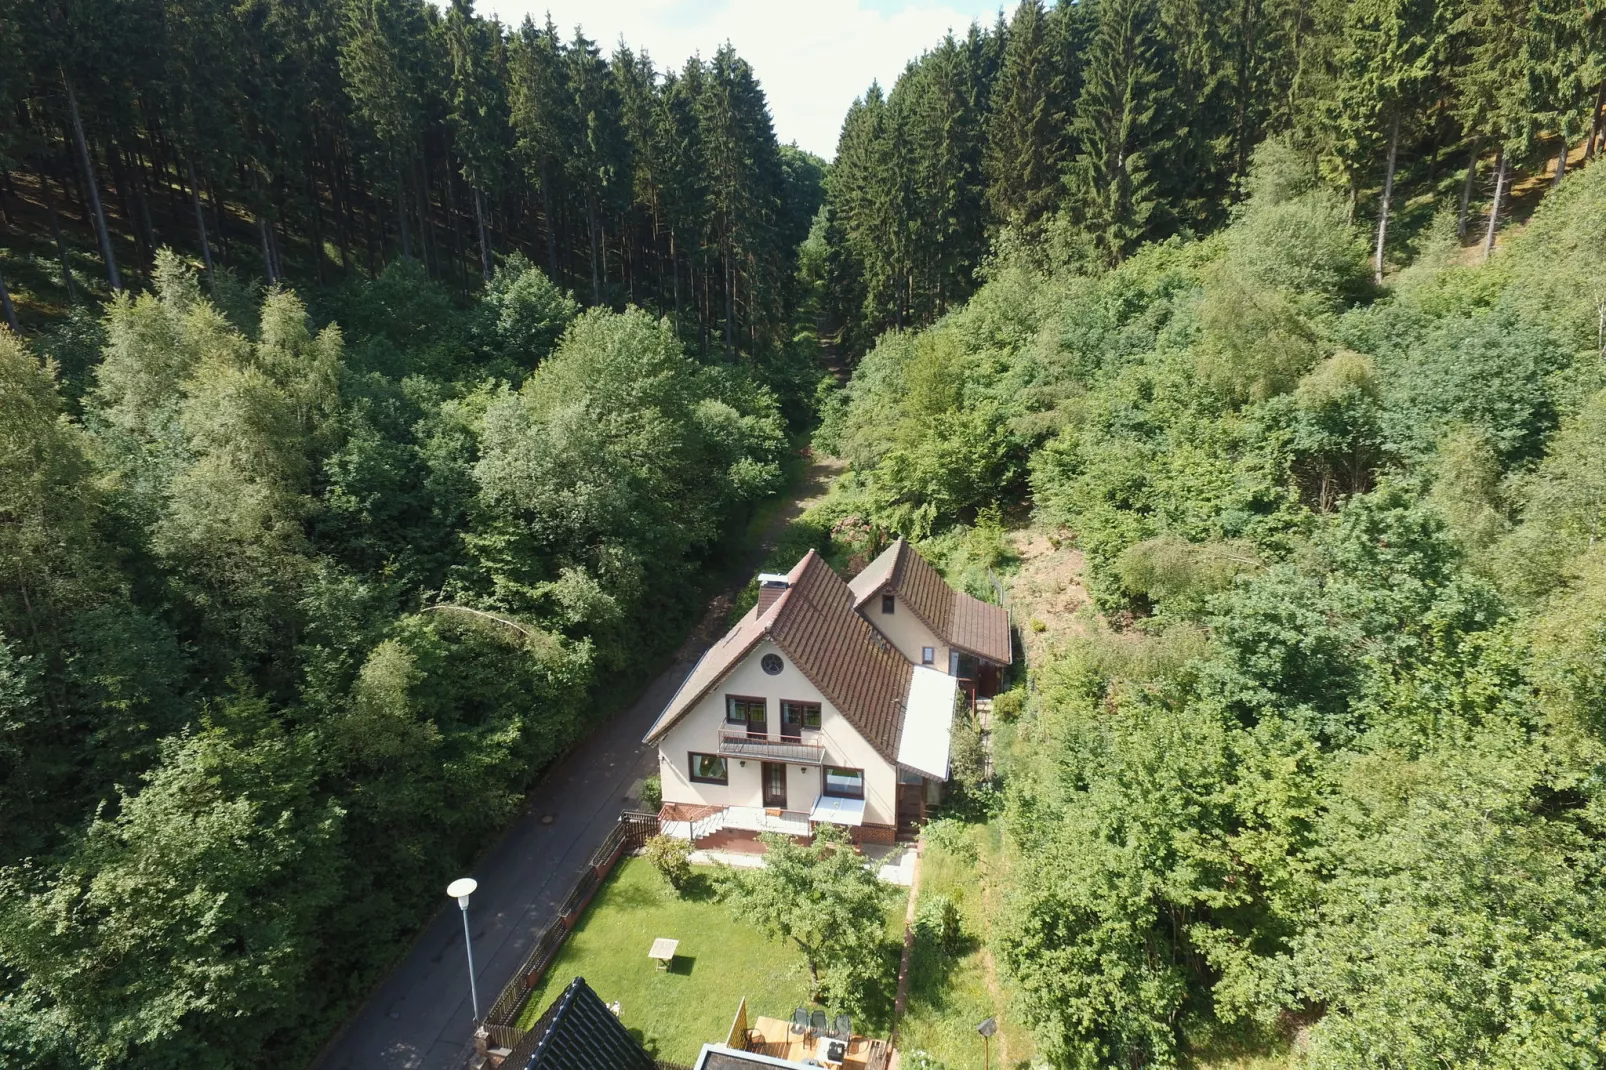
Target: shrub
{"x": 671, "y": 857}
{"x": 1007, "y": 705}
{"x": 652, "y": 794}
{"x": 937, "y": 921}
{"x": 951, "y": 837}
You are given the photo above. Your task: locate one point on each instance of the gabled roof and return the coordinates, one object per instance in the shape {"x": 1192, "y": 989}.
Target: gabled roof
{"x": 581, "y": 1033}
{"x": 956, "y": 618}
{"x": 814, "y": 622}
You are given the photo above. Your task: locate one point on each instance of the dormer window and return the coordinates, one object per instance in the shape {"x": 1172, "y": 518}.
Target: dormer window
{"x": 888, "y": 603}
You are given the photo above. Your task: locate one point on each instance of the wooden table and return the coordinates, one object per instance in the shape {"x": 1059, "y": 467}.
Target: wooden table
{"x": 663, "y": 951}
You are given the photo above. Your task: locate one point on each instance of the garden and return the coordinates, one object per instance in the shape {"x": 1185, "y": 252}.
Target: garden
{"x": 673, "y": 1012}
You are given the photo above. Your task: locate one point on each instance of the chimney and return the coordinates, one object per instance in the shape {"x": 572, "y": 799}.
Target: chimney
{"x": 771, "y": 585}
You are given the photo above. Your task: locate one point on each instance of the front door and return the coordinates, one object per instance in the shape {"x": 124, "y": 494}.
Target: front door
{"x": 775, "y": 785}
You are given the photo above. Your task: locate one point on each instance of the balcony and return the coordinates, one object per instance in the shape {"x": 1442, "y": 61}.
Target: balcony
{"x": 737, "y": 743}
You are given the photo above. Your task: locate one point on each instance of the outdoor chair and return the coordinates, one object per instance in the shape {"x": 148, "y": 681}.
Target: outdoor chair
{"x": 818, "y": 1023}
{"x": 844, "y": 1027}
{"x": 800, "y": 1021}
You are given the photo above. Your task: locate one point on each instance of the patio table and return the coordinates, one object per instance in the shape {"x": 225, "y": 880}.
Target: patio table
{"x": 663, "y": 951}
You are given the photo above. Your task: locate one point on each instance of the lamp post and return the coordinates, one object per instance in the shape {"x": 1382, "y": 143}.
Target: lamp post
{"x": 461, "y": 889}
{"x": 987, "y": 1029}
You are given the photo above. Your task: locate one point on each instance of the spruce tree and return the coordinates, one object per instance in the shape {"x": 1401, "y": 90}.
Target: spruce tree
{"x": 1026, "y": 146}
{"x": 478, "y": 111}
{"x": 1123, "y": 93}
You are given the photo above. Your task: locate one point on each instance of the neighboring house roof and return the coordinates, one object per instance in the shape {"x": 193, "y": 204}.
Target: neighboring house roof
{"x": 956, "y": 618}
{"x": 814, "y": 622}
{"x": 581, "y": 1033}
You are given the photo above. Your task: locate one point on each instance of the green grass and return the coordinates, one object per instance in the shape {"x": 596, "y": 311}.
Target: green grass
{"x": 720, "y": 961}
{"x": 948, "y": 992}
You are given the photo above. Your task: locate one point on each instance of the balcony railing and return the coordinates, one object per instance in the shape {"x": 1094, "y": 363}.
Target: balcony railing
{"x": 736, "y": 743}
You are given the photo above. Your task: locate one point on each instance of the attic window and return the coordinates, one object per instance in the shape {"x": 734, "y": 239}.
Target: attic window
{"x": 888, "y": 603}
{"x": 928, "y": 655}
{"x": 772, "y": 664}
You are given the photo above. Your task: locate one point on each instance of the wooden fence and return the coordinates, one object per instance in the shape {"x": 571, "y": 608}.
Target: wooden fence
{"x": 501, "y": 1021}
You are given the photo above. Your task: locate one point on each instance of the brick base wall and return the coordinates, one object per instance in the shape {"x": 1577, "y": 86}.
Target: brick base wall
{"x": 686, "y": 811}
{"x": 883, "y": 834}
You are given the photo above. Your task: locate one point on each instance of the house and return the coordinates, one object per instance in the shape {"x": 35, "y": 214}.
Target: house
{"x": 828, "y": 702}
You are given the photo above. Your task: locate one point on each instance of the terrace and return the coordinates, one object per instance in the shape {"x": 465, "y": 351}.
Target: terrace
{"x": 773, "y": 1039}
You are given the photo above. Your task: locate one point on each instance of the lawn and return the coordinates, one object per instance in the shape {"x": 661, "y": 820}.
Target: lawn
{"x": 672, "y": 1013}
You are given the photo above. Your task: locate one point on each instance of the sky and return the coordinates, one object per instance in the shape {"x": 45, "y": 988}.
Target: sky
{"x": 811, "y": 56}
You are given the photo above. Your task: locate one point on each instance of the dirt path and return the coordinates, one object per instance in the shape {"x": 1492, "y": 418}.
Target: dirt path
{"x": 813, "y": 486}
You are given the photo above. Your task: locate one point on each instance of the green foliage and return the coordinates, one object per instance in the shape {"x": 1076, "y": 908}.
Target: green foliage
{"x": 292, "y": 623}
{"x": 523, "y": 314}
{"x": 671, "y": 857}
{"x": 652, "y": 793}
{"x": 1333, "y": 755}
{"x": 821, "y": 898}
{"x": 937, "y": 921}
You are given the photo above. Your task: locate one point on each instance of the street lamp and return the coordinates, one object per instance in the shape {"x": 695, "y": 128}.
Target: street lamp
{"x": 987, "y": 1029}
{"x": 461, "y": 889}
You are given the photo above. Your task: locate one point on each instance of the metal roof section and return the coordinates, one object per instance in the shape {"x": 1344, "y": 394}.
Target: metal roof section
{"x": 928, "y": 723}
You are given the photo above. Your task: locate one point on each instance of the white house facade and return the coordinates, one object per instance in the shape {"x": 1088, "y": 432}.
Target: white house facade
{"x": 812, "y": 710}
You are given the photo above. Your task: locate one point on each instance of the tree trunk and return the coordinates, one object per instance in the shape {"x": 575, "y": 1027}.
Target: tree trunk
{"x": 142, "y": 201}
{"x": 61, "y": 248}
{"x": 591, "y": 227}
{"x": 485, "y": 241}
{"x": 1388, "y": 195}
{"x": 267, "y": 250}
{"x": 200, "y": 220}
{"x": 674, "y": 270}
{"x": 1466, "y": 188}
{"x": 1561, "y": 164}
{"x": 551, "y": 224}
{"x": 106, "y": 252}
{"x": 730, "y": 310}
{"x": 401, "y": 221}
{"x": 7, "y": 307}
{"x": 1594, "y": 122}
{"x": 1494, "y": 208}
{"x": 119, "y": 174}
{"x": 317, "y": 218}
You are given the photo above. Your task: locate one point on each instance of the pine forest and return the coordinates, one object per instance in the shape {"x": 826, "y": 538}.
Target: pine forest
{"x": 385, "y": 390}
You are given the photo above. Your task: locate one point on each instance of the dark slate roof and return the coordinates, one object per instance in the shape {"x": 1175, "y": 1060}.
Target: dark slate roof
{"x": 956, "y": 618}
{"x": 815, "y": 623}
{"x": 581, "y": 1033}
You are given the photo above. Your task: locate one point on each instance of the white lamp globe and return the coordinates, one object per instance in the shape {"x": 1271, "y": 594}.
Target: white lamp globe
{"x": 461, "y": 889}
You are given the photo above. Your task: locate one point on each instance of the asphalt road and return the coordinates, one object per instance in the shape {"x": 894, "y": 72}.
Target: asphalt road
{"x": 420, "y": 1017}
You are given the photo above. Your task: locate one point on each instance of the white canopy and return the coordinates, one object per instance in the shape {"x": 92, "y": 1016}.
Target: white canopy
{"x": 928, "y": 723}
{"x": 838, "y": 811}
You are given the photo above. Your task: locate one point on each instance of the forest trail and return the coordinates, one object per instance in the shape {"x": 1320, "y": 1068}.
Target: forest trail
{"x": 811, "y": 487}
{"x": 419, "y": 1017}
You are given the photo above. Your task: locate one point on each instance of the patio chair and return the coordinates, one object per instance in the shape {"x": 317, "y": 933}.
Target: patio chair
{"x": 818, "y": 1023}
{"x": 844, "y": 1027}
{"x": 800, "y": 1021}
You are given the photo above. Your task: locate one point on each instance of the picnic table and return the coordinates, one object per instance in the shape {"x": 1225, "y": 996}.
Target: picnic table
{"x": 663, "y": 951}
